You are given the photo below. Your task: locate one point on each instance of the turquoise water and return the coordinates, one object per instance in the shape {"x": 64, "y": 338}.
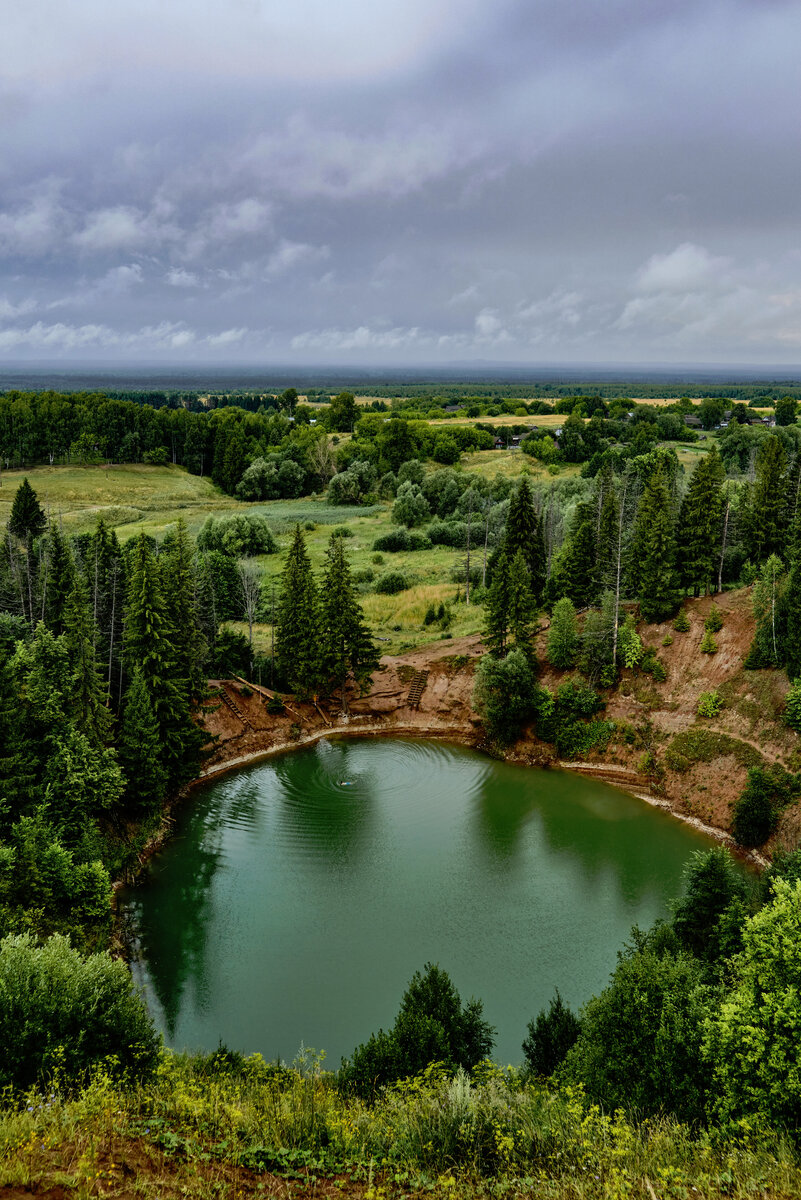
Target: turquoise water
{"x": 299, "y": 895}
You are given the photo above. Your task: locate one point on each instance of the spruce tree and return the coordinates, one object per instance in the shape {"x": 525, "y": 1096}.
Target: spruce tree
{"x": 524, "y": 533}
{"x": 655, "y": 544}
{"x": 297, "y": 626}
{"x": 765, "y": 518}
{"x": 496, "y": 608}
{"x": 139, "y": 749}
{"x": 27, "y": 518}
{"x": 699, "y": 530}
{"x": 57, "y": 578}
{"x": 792, "y": 617}
{"x": 87, "y": 693}
{"x": 575, "y": 568}
{"x": 607, "y": 541}
{"x": 346, "y": 645}
{"x": 521, "y": 607}
{"x": 177, "y": 572}
{"x": 148, "y": 647}
{"x": 563, "y": 638}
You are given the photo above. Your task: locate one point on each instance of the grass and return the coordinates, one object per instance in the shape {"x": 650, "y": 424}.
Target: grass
{"x": 146, "y": 499}
{"x": 697, "y": 744}
{"x": 222, "y": 1126}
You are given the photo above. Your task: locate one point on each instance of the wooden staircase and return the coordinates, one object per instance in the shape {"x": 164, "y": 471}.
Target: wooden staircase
{"x": 235, "y": 709}
{"x": 416, "y": 689}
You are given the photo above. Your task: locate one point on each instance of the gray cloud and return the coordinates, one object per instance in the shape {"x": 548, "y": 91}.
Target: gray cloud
{"x": 405, "y": 181}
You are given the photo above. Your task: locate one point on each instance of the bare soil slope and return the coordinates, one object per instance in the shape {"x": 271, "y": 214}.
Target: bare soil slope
{"x": 702, "y": 764}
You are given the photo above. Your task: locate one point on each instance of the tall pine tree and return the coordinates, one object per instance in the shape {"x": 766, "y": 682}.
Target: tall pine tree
{"x": 765, "y": 518}
{"x": 700, "y": 530}
{"x": 139, "y": 750}
{"x": 297, "y": 626}
{"x": 524, "y": 533}
{"x": 27, "y": 518}
{"x": 346, "y": 645}
{"x": 87, "y": 686}
{"x": 654, "y": 551}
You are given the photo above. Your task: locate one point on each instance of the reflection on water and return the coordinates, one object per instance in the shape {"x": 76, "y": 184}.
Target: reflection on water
{"x": 299, "y": 895}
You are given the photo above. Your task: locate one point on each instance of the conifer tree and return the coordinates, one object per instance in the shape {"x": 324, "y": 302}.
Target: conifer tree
{"x": 297, "y": 626}
{"x": 574, "y": 570}
{"x": 346, "y": 645}
{"x": 57, "y": 577}
{"x": 765, "y": 529}
{"x": 521, "y": 607}
{"x": 607, "y": 541}
{"x": 104, "y": 567}
{"x": 27, "y": 518}
{"x": 699, "y": 529}
{"x": 496, "y": 608}
{"x": 563, "y": 638}
{"x": 524, "y": 533}
{"x": 655, "y": 551}
{"x": 177, "y": 572}
{"x": 148, "y": 647}
{"x": 87, "y": 693}
{"x": 792, "y": 617}
{"x": 139, "y": 750}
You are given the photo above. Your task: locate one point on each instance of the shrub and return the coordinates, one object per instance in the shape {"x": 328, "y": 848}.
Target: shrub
{"x": 667, "y": 640}
{"x": 563, "y": 639}
{"x": 402, "y": 539}
{"x": 659, "y": 671}
{"x": 410, "y": 507}
{"x": 682, "y": 622}
{"x": 629, "y": 645}
{"x": 709, "y": 704}
{"x": 714, "y": 622}
{"x": 792, "y": 707}
{"x": 756, "y": 813}
{"x": 640, "y": 1041}
{"x": 708, "y": 643}
{"x": 61, "y": 1011}
{"x": 238, "y": 535}
{"x": 550, "y": 1035}
{"x": 505, "y": 694}
{"x": 391, "y": 583}
{"x": 340, "y": 530}
{"x": 432, "y": 1026}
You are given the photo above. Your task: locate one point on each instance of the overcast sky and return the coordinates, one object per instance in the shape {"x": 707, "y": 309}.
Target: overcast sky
{"x": 401, "y": 181}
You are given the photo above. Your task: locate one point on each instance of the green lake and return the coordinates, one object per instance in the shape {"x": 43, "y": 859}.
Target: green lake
{"x": 300, "y": 894}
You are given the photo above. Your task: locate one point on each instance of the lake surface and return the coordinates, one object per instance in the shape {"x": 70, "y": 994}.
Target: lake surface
{"x": 299, "y": 895}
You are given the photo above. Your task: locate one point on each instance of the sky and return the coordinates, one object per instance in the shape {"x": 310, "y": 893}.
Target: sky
{"x": 401, "y": 181}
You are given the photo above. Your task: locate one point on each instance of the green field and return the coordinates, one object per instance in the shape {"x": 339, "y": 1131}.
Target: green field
{"x": 143, "y": 499}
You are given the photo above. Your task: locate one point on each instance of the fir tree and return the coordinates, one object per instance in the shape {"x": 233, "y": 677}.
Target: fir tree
{"x": 27, "y": 518}
{"x": 87, "y": 693}
{"x": 699, "y": 530}
{"x": 765, "y": 528}
{"x": 347, "y": 648}
{"x": 574, "y": 571}
{"x": 496, "y": 608}
{"x": 608, "y": 536}
{"x": 521, "y": 607}
{"x": 148, "y": 647}
{"x": 563, "y": 638}
{"x": 792, "y": 617}
{"x": 655, "y": 551}
{"x": 138, "y": 749}
{"x": 177, "y": 572}
{"x": 524, "y": 533}
{"x": 297, "y": 626}
{"x": 57, "y": 578}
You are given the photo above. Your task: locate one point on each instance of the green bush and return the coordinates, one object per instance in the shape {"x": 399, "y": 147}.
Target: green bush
{"x": 756, "y": 813}
{"x": 709, "y": 704}
{"x": 66, "y": 1014}
{"x": 391, "y": 583}
{"x": 432, "y": 1026}
{"x": 792, "y": 707}
{"x": 682, "y": 622}
{"x": 708, "y": 643}
{"x": 505, "y": 694}
{"x": 402, "y": 539}
{"x": 238, "y": 535}
{"x": 550, "y": 1035}
{"x": 714, "y": 622}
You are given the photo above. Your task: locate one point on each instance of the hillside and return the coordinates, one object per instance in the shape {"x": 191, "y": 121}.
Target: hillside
{"x": 702, "y": 764}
